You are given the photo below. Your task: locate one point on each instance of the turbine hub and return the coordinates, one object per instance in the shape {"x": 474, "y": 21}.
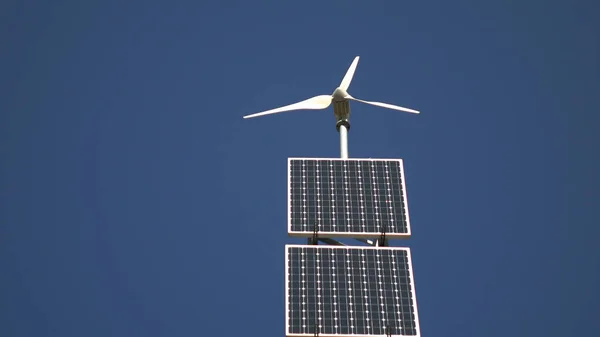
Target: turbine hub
{"x": 339, "y": 95}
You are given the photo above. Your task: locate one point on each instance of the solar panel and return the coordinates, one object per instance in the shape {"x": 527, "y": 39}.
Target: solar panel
{"x": 349, "y": 291}
{"x": 359, "y": 198}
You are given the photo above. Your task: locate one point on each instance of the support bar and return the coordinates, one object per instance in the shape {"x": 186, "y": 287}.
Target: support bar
{"x": 343, "y": 142}
{"x": 343, "y": 126}
{"x": 369, "y": 242}
{"x": 331, "y": 242}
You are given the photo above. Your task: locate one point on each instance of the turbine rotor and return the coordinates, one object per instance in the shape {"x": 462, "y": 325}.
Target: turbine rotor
{"x": 340, "y": 97}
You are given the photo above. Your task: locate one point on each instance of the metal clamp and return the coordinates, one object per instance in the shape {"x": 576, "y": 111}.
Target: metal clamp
{"x": 314, "y": 240}
{"x": 382, "y": 240}
{"x": 343, "y": 122}
{"x": 388, "y": 331}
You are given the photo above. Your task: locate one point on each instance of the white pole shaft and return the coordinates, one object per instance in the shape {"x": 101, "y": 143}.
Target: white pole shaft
{"x": 343, "y": 142}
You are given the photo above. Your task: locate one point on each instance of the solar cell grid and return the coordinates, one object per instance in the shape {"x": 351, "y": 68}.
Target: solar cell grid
{"x": 347, "y": 197}
{"x": 348, "y": 291}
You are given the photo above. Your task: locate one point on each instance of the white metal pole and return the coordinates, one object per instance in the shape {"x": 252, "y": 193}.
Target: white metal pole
{"x": 343, "y": 142}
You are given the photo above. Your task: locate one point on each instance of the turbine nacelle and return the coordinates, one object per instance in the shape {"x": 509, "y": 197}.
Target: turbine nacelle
{"x": 340, "y": 98}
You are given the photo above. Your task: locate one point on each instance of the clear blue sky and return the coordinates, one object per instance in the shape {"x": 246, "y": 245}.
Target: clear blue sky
{"x": 136, "y": 201}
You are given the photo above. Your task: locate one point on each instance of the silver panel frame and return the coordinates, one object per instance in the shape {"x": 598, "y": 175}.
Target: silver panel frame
{"x": 287, "y": 288}
{"x": 361, "y": 235}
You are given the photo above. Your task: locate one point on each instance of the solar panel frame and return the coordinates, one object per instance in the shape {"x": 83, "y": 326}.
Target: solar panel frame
{"x": 351, "y": 234}
{"x": 322, "y": 247}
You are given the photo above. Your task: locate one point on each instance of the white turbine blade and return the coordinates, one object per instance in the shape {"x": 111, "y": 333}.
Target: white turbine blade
{"x": 349, "y": 74}
{"x": 314, "y": 103}
{"x": 384, "y": 105}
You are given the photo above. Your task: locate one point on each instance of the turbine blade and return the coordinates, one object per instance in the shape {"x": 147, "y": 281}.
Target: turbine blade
{"x": 313, "y": 103}
{"x": 349, "y": 74}
{"x": 384, "y": 105}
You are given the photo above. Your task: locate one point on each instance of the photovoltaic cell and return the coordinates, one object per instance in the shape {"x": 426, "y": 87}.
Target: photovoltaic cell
{"x": 347, "y": 198}
{"x": 349, "y": 291}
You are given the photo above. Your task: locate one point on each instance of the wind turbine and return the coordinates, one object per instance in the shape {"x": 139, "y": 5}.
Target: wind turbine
{"x": 341, "y": 107}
